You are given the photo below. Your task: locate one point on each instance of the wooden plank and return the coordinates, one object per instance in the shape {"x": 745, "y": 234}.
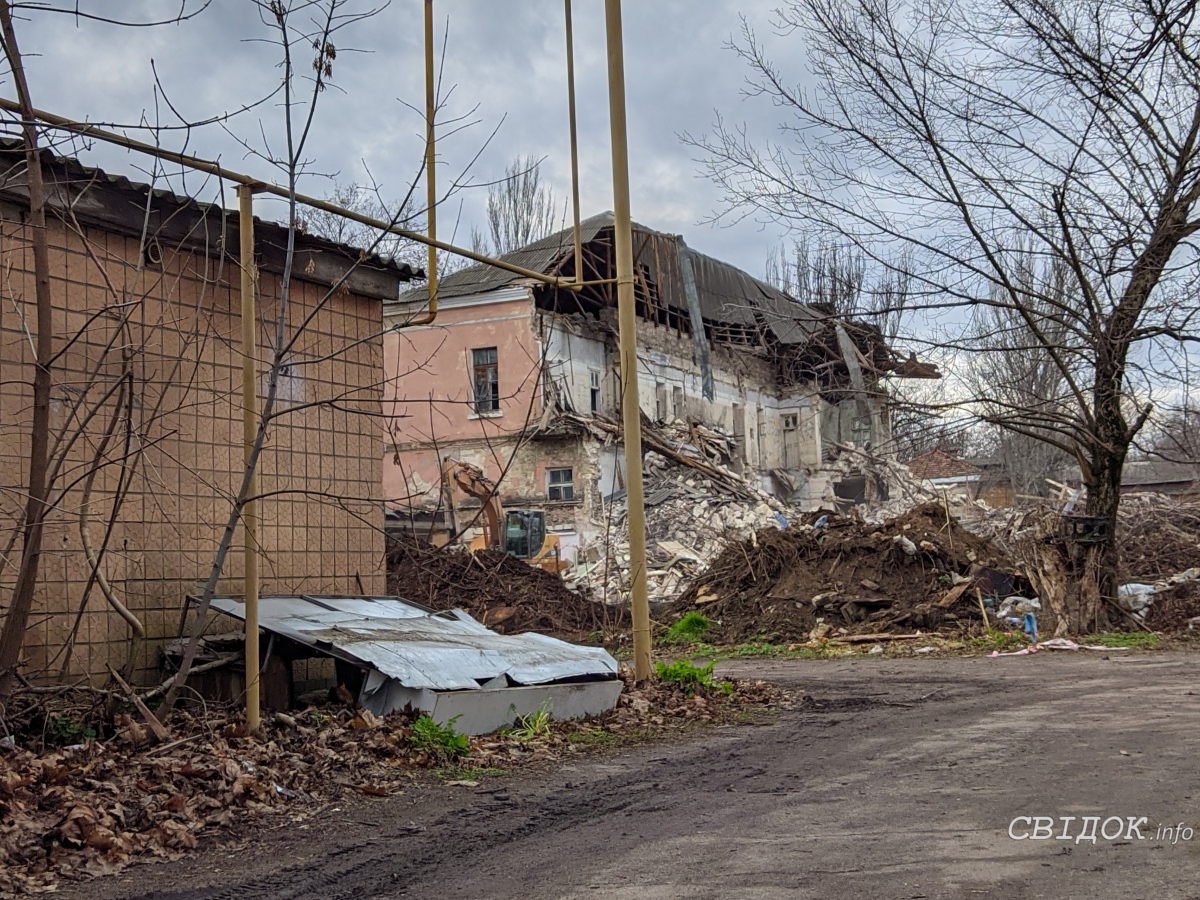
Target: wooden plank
{"x": 156, "y": 727}
{"x": 951, "y": 596}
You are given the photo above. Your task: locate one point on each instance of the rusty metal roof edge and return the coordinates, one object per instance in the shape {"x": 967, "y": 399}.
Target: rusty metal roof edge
{"x": 123, "y": 184}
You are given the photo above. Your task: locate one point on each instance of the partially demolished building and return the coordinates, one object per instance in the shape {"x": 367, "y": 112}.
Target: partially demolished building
{"x": 522, "y": 379}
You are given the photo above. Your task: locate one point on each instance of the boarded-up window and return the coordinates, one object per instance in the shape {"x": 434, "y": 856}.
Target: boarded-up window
{"x": 487, "y": 379}
{"x": 791, "y": 440}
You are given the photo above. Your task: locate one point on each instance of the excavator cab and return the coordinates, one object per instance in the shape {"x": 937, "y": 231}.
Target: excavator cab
{"x": 524, "y": 532}
{"x": 519, "y": 532}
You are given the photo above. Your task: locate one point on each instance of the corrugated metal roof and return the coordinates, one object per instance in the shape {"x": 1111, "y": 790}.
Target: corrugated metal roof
{"x": 727, "y": 294}
{"x": 540, "y": 256}
{"x": 419, "y": 648}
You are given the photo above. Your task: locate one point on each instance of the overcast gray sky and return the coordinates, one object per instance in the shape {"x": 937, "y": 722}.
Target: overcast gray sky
{"x": 505, "y": 57}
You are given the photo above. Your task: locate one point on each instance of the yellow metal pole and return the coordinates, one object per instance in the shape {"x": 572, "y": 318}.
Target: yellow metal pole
{"x": 574, "y": 141}
{"x": 627, "y": 326}
{"x": 249, "y": 434}
{"x": 430, "y": 158}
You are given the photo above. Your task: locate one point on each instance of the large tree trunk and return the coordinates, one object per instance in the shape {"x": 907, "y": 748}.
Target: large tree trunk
{"x": 1097, "y": 563}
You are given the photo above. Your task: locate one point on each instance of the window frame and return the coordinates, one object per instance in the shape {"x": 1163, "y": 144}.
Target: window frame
{"x": 486, "y": 401}
{"x": 561, "y": 491}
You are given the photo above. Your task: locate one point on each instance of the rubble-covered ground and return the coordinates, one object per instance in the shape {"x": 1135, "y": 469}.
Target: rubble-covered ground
{"x": 96, "y": 805}
{"x": 506, "y": 594}
{"x": 915, "y": 572}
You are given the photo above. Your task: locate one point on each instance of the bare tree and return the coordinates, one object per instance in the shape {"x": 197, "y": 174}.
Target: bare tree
{"x": 1017, "y": 383}
{"x": 50, "y": 450}
{"x": 520, "y": 207}
{"x": 978, "y": 135}
{"x": 367, "y": 199}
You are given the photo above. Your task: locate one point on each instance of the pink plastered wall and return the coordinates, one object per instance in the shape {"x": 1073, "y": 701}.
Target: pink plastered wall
{"x": 429, "y": 393}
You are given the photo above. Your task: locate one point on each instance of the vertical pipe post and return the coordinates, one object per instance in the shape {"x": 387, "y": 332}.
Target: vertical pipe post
{"x": 249, "y": 434}
{"x": 627, "y": 326}
{"x": 430, "y": 158}
{"x": 574, "y": 141}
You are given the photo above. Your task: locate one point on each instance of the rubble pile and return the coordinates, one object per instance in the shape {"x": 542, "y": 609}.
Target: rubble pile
{"x": 94, "y": 807}
{"x": 1159, "y": 536}
{"x": 504, "y": 593}
{"x": 833, "y": 575}
{"x": 694, "y": 505}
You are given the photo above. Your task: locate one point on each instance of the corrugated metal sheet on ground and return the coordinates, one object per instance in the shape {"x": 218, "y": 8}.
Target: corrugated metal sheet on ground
{"x": 422, "y": 649}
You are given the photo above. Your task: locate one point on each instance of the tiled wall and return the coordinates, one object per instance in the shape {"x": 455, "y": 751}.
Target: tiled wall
{"x": 320, "y": 533}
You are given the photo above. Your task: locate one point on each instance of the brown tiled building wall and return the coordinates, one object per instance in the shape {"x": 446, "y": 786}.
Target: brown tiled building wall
{"x": 175, "y": 438}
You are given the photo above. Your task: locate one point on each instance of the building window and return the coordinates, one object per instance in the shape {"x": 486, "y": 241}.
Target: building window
{"x": 660, "y": 402}
{"x": 791, "y": 440}
{"x": 560, "y": 484}
{"x": 487, "y": 380}
{"x": 595, "y": 387}
{"x": 677, "y": 403}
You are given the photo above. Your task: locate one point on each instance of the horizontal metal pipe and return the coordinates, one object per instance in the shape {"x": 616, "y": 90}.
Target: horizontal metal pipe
{"x": 264, "y": 187}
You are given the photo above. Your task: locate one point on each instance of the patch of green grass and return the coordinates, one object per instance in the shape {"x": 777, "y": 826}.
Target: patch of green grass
{"x": 1004, "y": 641}
{"x": 691, "y": 677}
{"x": 1135, "y": 640}
{"x": 768, "y": 649}
{"x": 689, "y": 629}
{"x": 593, "y": 737}
{"x": 438, "y": 741}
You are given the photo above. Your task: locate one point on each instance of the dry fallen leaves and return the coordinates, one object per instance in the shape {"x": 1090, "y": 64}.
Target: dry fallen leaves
{"x": 93, "y": 808}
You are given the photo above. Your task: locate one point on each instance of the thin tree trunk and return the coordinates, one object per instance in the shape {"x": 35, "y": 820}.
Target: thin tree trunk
{"x": 12, "y": 637}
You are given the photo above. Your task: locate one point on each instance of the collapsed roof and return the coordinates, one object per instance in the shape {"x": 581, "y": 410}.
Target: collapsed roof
{"x": 690, "y": 292}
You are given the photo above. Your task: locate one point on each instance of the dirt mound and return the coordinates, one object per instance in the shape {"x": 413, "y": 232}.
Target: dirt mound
{"x": 918, "y": 571}
{"x": 506, "y": 594}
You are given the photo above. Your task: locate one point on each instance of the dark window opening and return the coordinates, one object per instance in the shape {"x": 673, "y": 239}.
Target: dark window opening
{"x": 560, "y": 484}
{"x": 487, "y": 379}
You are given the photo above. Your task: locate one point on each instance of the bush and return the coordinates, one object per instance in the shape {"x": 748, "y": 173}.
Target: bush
{"x": 440, "y": 743}
{"x": 689, "y": 629}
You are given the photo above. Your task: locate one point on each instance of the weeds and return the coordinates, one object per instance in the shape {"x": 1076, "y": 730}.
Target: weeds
{"x": 689, "y": 629}
{"x": 691, "y": 677}
{"x": 593, "y": 737}
{"x": 535, "y": 725}
{"x": 68, "y": 731}
{"x": 439, "y": 742}
{"x": 1134, "y": 640}
{"x": 1003, "y": 641}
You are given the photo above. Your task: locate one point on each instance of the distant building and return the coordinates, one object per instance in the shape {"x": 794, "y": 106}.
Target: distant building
{"x": 1159, "y": 476}
{"x": 515, "y": 373}
{"x": 943, "y": 469}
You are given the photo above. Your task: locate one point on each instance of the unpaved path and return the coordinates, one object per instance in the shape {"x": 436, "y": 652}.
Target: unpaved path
{"x": 899, "y": 782}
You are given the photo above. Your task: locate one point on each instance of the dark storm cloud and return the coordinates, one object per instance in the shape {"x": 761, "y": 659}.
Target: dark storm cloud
{"x": 505, "y": 59}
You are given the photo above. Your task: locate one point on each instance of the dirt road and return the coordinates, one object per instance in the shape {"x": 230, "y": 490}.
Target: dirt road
{"x": 900, "y": 780}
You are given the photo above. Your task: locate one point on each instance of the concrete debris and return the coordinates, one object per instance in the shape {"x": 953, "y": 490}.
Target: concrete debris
{"x": 695, "y": 505}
